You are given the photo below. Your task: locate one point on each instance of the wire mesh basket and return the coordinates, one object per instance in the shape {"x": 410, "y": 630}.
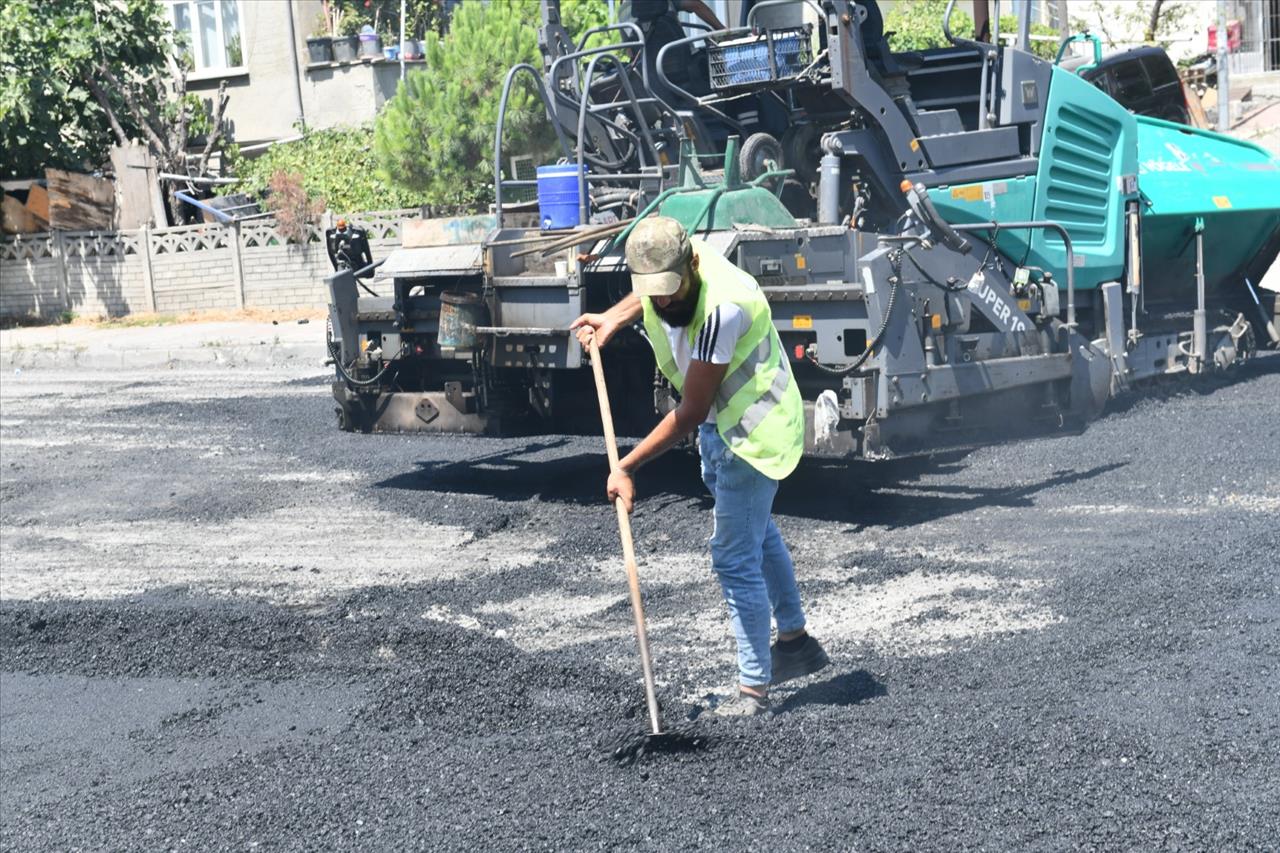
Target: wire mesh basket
{"x": 769, "y": 56}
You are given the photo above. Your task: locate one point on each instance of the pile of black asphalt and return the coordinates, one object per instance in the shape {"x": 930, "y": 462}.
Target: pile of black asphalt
{"x": 1144, "y": 715}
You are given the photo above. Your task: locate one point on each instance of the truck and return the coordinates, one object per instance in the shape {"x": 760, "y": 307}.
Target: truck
{"x": 956, "y": 244}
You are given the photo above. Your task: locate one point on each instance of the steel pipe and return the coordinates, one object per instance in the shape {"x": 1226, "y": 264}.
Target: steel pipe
{"x": 584, "y": 201}
{"x": 1199, "y": 331}
{"x": 502, "y": 117}
{"x": 1066, "y": 242}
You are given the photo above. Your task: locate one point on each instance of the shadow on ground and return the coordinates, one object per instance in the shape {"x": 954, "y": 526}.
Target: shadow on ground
{"x": 523, "y": 473}
{"x": 849, "y": 688}
{"x": 888, "y": 494}
{"x": 884, "y": 500}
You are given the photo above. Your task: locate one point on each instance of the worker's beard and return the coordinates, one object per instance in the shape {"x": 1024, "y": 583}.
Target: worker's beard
{"x": 679, "y": 312}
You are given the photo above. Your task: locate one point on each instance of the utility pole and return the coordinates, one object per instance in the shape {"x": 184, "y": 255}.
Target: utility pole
{"x": 300, "y": 115}
{"x": 1224, "y": 72}
{"x": 1024, "y": 26}
{"x": 1064, "y": 25}
{"x": 402, "y": 39}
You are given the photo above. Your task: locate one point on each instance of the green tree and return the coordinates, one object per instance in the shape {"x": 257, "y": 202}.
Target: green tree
{"x": 578, "y": 16}
{"x": 50, "y": 52}
{"x": 917, "y": 25}
{"x": 1043, "y": 49}
{"x": 436, "y": 135}
{"x": 1126, "y": 24}
{"x": 336, "y": 165}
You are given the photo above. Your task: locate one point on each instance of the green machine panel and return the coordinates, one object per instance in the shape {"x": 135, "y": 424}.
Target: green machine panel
{"x": 1231, "y": 185}
{"x": 1088, "y": 150}
{"x": 1005, "y": 200}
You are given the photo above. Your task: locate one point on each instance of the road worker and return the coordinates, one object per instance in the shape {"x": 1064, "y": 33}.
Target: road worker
{"x": 714, "y": 340}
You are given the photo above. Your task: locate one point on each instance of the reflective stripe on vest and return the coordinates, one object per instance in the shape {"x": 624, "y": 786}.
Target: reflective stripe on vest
{"x": 745, "y": 372}
{"x": 760, "y": 409}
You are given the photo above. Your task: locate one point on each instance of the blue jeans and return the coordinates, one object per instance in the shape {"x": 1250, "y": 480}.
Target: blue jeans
{"x": 748, "y": 555}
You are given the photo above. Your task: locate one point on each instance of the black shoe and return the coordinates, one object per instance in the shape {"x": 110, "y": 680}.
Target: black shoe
{"x": 743, "y": 705}
{"x": 797, "y": 663}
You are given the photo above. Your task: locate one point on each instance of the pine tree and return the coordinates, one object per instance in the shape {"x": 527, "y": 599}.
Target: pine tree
{"x": 436, "y": 134}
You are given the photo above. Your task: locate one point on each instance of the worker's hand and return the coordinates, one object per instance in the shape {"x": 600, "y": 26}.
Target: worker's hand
{"x": 621, "y": 486}
{"x": 601, "y": 325}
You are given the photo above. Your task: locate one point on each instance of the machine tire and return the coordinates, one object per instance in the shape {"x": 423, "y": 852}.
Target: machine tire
{"x": 801, "y": 152}
{"x": 758, "y": 148}
{"x": 330, "y": 347}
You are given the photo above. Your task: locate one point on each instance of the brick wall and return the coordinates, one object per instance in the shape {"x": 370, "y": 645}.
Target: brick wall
{"x": 194, "y": 281}
{"x": 30, "y": 278}
{"x": 174, "y": 270}
{"x": 106, "y": 286}
{"x": 285, "y": 276}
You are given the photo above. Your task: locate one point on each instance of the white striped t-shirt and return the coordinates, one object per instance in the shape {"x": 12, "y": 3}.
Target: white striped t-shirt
{"x": 714, "y": 343}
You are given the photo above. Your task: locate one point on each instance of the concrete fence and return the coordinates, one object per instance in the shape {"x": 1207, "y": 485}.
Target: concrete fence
{"x": 171, "y": 270}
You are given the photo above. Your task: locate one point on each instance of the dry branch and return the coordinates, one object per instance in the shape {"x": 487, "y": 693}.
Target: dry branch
{"x": 101, "y": 97}
{"x": 147, "y": 100}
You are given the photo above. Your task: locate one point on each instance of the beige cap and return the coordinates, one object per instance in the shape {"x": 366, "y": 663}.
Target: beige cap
{"x": 657, "y": 251}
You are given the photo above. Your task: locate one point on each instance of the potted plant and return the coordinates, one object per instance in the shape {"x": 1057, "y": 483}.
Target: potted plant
{"x": 390, "y": 41}
{"x": 320, "y": 42}
{"x": 370, "y": 43}
{"x": 346, "y": 42}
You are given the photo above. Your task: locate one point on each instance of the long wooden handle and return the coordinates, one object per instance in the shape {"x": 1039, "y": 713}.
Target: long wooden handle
{"x": 628, "y": 546}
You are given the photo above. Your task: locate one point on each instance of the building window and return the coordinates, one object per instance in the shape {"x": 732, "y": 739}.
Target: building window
{"x": 1045, "y": 12}
{"x": 211, "y": 29}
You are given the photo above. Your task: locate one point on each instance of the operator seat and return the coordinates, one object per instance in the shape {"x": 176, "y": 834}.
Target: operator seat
{"x": 875, "y": 43}
{"x": 685, "y": 67}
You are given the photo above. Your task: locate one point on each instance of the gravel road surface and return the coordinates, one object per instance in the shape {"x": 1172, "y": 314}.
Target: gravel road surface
{"x": 224, "y": 624}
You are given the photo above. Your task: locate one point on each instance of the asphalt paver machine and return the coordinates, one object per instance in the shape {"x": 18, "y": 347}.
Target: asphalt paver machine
{"x": 953, "y": 242}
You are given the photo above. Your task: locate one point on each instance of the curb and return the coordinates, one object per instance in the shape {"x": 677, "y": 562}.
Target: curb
{"x": 102, "y": 358}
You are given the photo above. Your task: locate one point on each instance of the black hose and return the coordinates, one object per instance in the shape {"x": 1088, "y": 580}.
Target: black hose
{"x": 335, "y": 352}
{"x": 875, "y": 342}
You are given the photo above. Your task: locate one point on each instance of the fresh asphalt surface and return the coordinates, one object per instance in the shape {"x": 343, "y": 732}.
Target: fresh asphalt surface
{"x": 224, "y": 624}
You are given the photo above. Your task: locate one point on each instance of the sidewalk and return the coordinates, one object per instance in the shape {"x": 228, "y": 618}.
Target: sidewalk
{"x": 193, "y": 344}
{"x": 1261, "y": 124}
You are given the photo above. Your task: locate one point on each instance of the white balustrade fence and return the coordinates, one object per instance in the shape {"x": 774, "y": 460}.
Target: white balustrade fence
{"x": 187, "y": 268}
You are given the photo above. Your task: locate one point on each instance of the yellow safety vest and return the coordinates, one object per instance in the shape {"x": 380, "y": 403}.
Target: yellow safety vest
{"x": 758, "y": 410}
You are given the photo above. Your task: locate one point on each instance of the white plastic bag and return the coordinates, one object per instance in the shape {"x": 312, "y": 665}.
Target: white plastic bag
{"x": 826, "y": 417}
